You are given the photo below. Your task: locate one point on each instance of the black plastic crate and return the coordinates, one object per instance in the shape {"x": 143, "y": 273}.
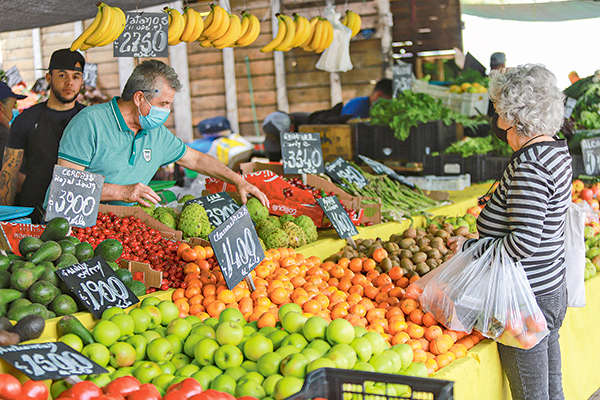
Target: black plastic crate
{"x": 342, "y": 384}
{"x": 379, "y": 143}
{"x": 578, "y": 168}
{"x": 484, "y": 167}
{"x": 445, "y": 165}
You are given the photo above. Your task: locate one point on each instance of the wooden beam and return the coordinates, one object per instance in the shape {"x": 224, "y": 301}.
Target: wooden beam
{"x": 126, "y": 66}
{"x": 38, "y": 64}
{"x": 230, "y": 82}
{"x": 279, "y": 60}
{"x": 336, "y": 88}
{"x": 386, "y": 22}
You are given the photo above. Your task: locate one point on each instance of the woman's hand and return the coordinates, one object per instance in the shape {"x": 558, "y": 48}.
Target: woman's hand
{"x": 456, "y": 242}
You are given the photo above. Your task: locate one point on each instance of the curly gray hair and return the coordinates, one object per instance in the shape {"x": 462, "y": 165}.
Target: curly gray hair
{"x": 527, "y": 97}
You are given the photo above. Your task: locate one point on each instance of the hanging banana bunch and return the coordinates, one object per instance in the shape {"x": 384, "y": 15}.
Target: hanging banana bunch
{"x": 104, "y": 29}
{"x": 193, "y": 26}
{"x": 222, "y": 29}
{"x": 321, "y": 35}
{"x": 353, "y": 21}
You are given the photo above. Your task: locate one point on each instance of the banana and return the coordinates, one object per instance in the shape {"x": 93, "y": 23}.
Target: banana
{"x": 198, "y": 28}
{"x": 318, "y": 36}
{"x": 176, "y": 26}
{"x": 116, "y": 28}
{"x": 327, "y": 37}
{"x": 354, "y": 22}
{"x": 289, "y": 33}
{"x": 100, "y": 32}
{"x": 313, "y": 24}
{"x": 77, "y": 43}
{"x": 207, "y": 21}
{"x": 346, "y": 18}
{"x": 281, "y": 35}
{"x": 301, "y": 30}
{"x": 232, "y": 34}
{"x": 190, "y": 19}
{"x": 218, "y": 25}
{"x": 205, "y": 42}
{"x": 245, "y": 24}
{"x": 252, "y": 33}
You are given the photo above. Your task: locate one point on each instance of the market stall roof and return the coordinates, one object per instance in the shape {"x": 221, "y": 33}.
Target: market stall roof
{"x": 519, "y": 10}
{"x": 16, "y": 15}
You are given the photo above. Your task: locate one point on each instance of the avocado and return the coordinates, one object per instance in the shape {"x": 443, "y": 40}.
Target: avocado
{"x": 125, "y": 275}
{"x": 67, "y": 247}
{"x": 19, "y": 303}
{"x": 50, "y": 276}
{"x": 15, "y": 257}
{"x": 70, "y": 324}
{"x": 63, "y": 304}
{"x": 49, "y": 251}
{"x": 27, "y": 265}
{"x": 109, "y": 249}
{"x": 138, "y": 288}
{"x": 47, "y": 264}
{"x": 84, "y": 251}
{"x": 5, "y": 324}
{"x": 18, "y": 313}
{"x": 29, "y": 244}
{"x": 113, "y": 265}
{"x": 4, "y": 262}
{"x": 29, "y": 327}
{"x": 65, "y": 260}
{"x": 72, "y": 239}
{"x": 15, "y": 264}
{"x": 9, "y": 295}
{"x": 56, "y": 230}
{"x": 43, "y": 292}
{"x": 23, "y": 278}
{"x": 4, "y": 279}
{"x": 3, "y": 310}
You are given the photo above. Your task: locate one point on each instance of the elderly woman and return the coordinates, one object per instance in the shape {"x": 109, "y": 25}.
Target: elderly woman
{"x": 527, "y": 214}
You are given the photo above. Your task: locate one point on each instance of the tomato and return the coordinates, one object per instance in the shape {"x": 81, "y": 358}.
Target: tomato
{"x": 212, "y": 394}
{"x": 146, "y": 392}
{"x": 25, "y": 397}
{"x": 10, "y": 387}
{"x": 109, "y": 397}
{"x": 123, "y": 386}
{"x": 85, "y": 390}
{"x": 189, "y": 386}
{"x": 35, "y": 389}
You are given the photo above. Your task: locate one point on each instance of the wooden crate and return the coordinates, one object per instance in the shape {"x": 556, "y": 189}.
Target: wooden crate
{"x": 336, "y": 140}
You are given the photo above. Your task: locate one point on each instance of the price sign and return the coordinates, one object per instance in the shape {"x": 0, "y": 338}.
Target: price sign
{"x": 74, "y": 195}
{"x": 218, "y": 206}
{"x": 237, "y": 247}
{"x": 90, "y": 74}
{"x": 302, "y": 153}
{"x": 402, "y": 77}
{"x": 145, "y": 35}
{"x": 41, "y": 361}
{"x": 382, "y": 169}
{"x": 590, "y": 151}
{"x": 337, "y": 215}
{"x": 13, "y": 77}
{"x": 97, "y": 286}
{"x": 340, "y": 170}
{"x": 569, "y": 106}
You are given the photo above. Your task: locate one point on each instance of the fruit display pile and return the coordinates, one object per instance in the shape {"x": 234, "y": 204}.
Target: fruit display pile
{"x": 11, "y": 388}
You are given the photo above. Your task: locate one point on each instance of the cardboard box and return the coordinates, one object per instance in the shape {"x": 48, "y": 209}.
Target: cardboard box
{"x": 336, "y": 140}
{"x": 143, "y": 273}
{"x": 125, "y": 211}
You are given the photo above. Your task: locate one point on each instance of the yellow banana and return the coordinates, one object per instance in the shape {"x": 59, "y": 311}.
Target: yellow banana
{"x": 219, "y": 24}
{"x": 357, "y": 24}
{"x": 205, "y": 42}
{"x": 116, "y": 28}
{"x": 281, "y": 34}
{"x": 85, "y": 47}
{"x": 245, "y": 25}
{"x": 289, "y": 34}
{"x": 318, "y": 36}
{"x": 77, "y": 43}
{"x": 346, "y": 18}
{"x": 232, "y": 34}
{"x": 313, "y": 24}
{"x": 207, "y": 21}
{"x": 252, "y": 33}
{"x": 328, "y": 37}
{"x": 189, "y": 22}
{"x": 301, "y": 30}
{"x": 100, "y": 32}
{"x": 198, "y": 28}
{"x": 176, "y": 26}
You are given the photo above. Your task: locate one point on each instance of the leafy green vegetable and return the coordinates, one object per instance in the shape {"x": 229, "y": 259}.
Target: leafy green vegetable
{"x": 480, "y": 145}
{"x": 471, "y": 76}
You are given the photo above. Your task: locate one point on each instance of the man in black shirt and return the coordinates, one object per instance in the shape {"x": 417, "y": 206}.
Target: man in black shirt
{"x": 8, "y": 99}
{"x": 36, "y": 133}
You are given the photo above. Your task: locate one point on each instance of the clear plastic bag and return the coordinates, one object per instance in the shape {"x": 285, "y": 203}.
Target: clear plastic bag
{"x": 483, "y": 289}
{"x": 336, "y": 58}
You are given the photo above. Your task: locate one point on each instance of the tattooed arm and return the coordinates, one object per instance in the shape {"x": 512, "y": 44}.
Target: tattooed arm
{"x": 13, "y": 159}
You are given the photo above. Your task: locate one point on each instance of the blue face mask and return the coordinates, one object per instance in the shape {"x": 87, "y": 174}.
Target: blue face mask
{"x": 15, "y": 114}
{"x": 155, "y": 118}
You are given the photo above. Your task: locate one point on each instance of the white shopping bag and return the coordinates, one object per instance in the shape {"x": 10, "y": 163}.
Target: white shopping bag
{"x": 575, "y": 254}
{"x": 336, "y": 58}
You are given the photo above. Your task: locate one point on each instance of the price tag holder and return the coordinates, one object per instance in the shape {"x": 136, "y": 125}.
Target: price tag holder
{"x": 340, "y": 169}
{"x": 337, "y": 215}
{"x": 569, "y": 106}
{"x": 302, "y": 153}
{"x": 590, "y": 151}
{"x": 402, "y": 77}
{"x": 74, "y": 195}
{"x": 381, "y": 169}
{"x": 218, "y": 206}
{"x": 145, "y": 35}
{"x": 13, "y": 77}
{"x": 237, "y": 247}
{"x": 97, "y": 286}
{"x": 56, "y": 360}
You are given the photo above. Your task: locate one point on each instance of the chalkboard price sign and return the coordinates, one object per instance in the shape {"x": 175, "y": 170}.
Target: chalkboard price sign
{"x": 590, "y": 150}
{"x": 237, "y": 247}
{"x": 302, "y": 153}
{"x": 97, "y": 286}
{"x": 337, "y": 215}
{"x": 74, "y": 195}
{"x": 90, "y": 74}
{"x": 13, "y": 77}
{"x": 41, "y": 361}
{"x": 382, "y": 169}
{"x": 218, "y": 206}
{"x": 145, "y": 35}
{"x": 340, "y": 170}
{"x": 402, "y": 77}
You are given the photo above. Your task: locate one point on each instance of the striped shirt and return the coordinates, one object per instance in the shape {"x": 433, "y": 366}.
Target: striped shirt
{"x": 527, "y": 212}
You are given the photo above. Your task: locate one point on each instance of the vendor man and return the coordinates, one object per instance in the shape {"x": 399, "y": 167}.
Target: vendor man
{"x": 359, "y": 107}
{"x": 125, "y": 140}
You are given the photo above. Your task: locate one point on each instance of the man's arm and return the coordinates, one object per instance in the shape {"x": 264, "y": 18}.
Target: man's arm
{"x": 137, "y": 192}
{"x": 210, "y": 166}
{"x": 13, "y": 159}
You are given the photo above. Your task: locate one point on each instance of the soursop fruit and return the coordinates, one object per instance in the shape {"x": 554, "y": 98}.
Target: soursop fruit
{"x": 308, "y": 226}
{"x": 193, "y": 221}
{"x": 256, "y": 209}
{"x": 148, "y": 210}
{"x": 286, "y": 218}
{"x": 266, "y": 231}
{"x": 295, "y": 233}
{"x": 165, "y": 210}
{"x": 167, "y": 219}
{"x": 263, "y": 223}
{"x": 185, "y": 198}
{"x": 278, "y": 238}
{"x": 275, "y": 220}
{"x": 262, "y": 244}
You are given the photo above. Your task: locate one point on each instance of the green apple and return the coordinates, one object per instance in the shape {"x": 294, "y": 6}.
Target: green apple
{"x": 340, "y": 331}
{"x": 359, "y": 331}
{"x": 178, "y": 379}
{"x": 232, "y": 315}
{"x": 203, "y": 378}
{"x": 254, "y": 375}
{"x": 180, "y": 360}
{"x": 122, "y": 355}
{"x": 269, "y": 363}
{"x": 228, "y": 356}
{"x": 396, "y": 360}
{"x": 270, "y": 382}
{"x": 249, "y": 330}
{"x": 190, "y": 343}
{"x": 167, "y": 367}
{"x": 139, "y": 344}
{"x": 249, "y": 387}
{"x": 363, "y": 366}
{"x": 406, "y": 372}
{"x": 106, "y": 333}
{"x": 150, "y": 336}
{"x": 339, "y": 358}
{"x": 348, "y": 352}
{"x": 294, "y": 365}
{"x": 73, "y": 341}
{"x": 321, "y": 362}
{"x": 241, "y": 344}
{"x": 287, "y": 386}
{"x": 125, "y": 324}
{"x": 204, "y": 330}
{"x": 229, "y": 332}
{"x": 295, "y": 339}
{"x": 250, "y": 365}
{"x": 98, "y": 353}
{"x": 277, "y": 337}
{"x": 286, "y": 308}
{"x": 176, "y": 342}
{"x": 109, "y": 312}
{"x": 314, "y": 328}
{"x": 147, "y": 371}
{"x": 211, "y": 370}
{"x": 224, "y": 383}
{"x": 406, "y": 354}
{"x": 236, "y": 372}
{"x": 179, "y": 327}
{"x": 163, "y": 381}
{"x": 155, "y": 316}
{"x": 121, "y": 372}
{"x": 161, "y": 330}
{"x": 363, "y": 349}
{"x": 187, "y": 370}
{"x": 311, "y": 354}
{"x": 160, "y": 350}
{"x": 58, "y": 387}
{"x": 141, "y": 320}
{"x": 256, "y": 346}
{"x": 378, "y": 343}
{"x": 382, "y": 364}
{"x": 285, "y": 351}
{"x": 193, "y": 319}
{"x": 320, "y": 345}
{"x": 267, "y": 330}
{"x": 372, "y": 389}
{"x": 211, "y": 321}
{"x": 204, "y": 352}
{"x": 293, "y": 322}
{"x": 100, "y": 380}
{"x": 150, "y": 301}
{"x": 253, "y": 324}
{"x": 418, "y": 369}
{"x": 168, "y": 311}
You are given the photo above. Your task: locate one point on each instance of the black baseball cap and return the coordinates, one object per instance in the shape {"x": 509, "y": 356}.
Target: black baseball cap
{"x": 67, "y": 60}
{"x": 5, "y": 92}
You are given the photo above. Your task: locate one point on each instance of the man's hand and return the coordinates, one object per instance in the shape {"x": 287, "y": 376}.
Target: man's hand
{"x": 244, "y": 189}
{"x": 138, "y": 192}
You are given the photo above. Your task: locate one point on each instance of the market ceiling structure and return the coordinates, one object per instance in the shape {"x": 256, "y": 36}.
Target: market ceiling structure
{"x": 526, "y": 10}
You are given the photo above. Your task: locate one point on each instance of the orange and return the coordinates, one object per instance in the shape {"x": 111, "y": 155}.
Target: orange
{"x": 414, "y": 279}
{"x": 267, "y": 319}
{"x": 345, "y": 284}
{"x": 393, "y": 311}
{"x": 197, "y": 299}
{"x": 368, "y": 265}
{"x": 287, "y": 262}
{"x": 383, "y": 279}
{"x": 188, "y": 254}
{"x": 343, "y": 262}
{"x": 432, "y": 332}
{"x": 379, "y": 254}
{"x": 416, "y": 316}
{"x": 353, "y": 298}
{"x": 375, "y": 313}
{"x": 367, "y": 303}
{"x": 191, "y": 267}
{"x": 192, "y": 291}
{"x": 279, "y": 295}
{"x": 393, "y": 301}
{"x": 442, "y": 360}
{"x": 357, "y": 289}
{"x": 196, "y": 309}
{"x": 189, "y": 277}
{"x": 311, "y": 306}
{"x": 414, "y": 343}
{"x": 203, "y": 264}
{"x": 323, "y": 300}
{"x": 371, "y": 292}
{"x": 429, "y": 319}
{"x": 326, "y": 266}
{"x": 178, "y": 294}
{"x": 397, "y": 326}
{"x": 245, "y": 305}
{"x": 467, "y": 341}
{"x": 372, "y": 275}
{"x": 403, "y": 282}
{"x": 355, "y": 265}
{"x": 431, "y": 366}
{"x": 419, "y": 356}
{"x": 182, "y": 304}
{"x": 239, "y": 293}
{"x": 338, "y": 312}
{"x": 381, "y": 298}
{"x": 316, "y": 261}
{"x": 337, "y": 271}
{"x": 215, "y": 308}
{"x": 226, "y": 296}
{"x": 208, "y": 290}
{"x": 452, "y": 334}
{"x": 387, "y": 288}
{"x": 459, "y": 350}
{"x": 209, "y": 251}
{"x": 397, "y": 292}
{"x": 358, "y": 309}
{"x": 415, "y": 331}
{"x": 395, "y": 273}
{"x": 183, "y": 246}
{"x": 424, "y": 344}
{"x": 261, "y": 271}
{"x": 400, "y": 337}
{"x": 408, "y": 305}
{"x": 360, "y": 279}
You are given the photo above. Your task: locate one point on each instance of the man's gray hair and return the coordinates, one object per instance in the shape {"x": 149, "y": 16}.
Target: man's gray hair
{"x": 527, "y": 97}
{"x": 145, "y": 78}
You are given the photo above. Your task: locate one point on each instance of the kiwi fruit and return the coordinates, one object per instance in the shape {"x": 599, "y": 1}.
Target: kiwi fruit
{"x": 419, "y": 258}
{"x": 410, "y": 233}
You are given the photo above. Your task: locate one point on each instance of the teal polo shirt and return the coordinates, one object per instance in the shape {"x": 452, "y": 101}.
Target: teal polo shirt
{"x": 99, "y": 140}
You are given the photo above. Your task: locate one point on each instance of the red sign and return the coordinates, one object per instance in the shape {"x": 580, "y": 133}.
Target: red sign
{"x": 12, "y": 233}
